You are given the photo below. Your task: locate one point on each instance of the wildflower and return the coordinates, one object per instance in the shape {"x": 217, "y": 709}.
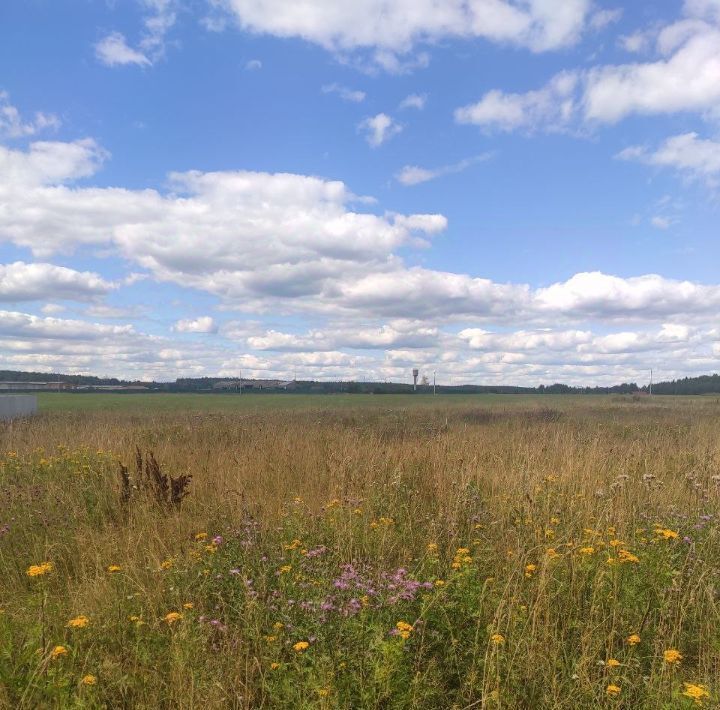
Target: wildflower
{"x": 212, "y": 549}
{"x": 432, "y": 547}
{"x": 617, "y": 543}
{"x": 551, "y": 553}
{"x": 201, "y": 536}
{"x": 58, "y": 651}
{"x": 136, "y": 620}
{"x": 497, "y": 639}
{"x": 167, "y": 564}
{"x": 274, "y": 666}
{"x": 278, "y": 625}
{"x": 672, "y": 655}
{"x": 696, "y": 692}
{"x": 586, "y": 550}
{"x": 323, "y": 692}
{"x": 666, "y": 533}
{"x": 530, "y": 570}
{"x": 404, "y": 629}
{"x": 627, "y": 556}
{"x": 285, "y": 569}
{"x": 78, "y": 622}
{"x": 89, "y": 679}
{"x": 612, "y": 663}
{"x": 114, "y": 568}
{"x": 172, "y": 617}
{"x": 554, "y": 521}
{"x": 439, "y": 582}
{"x": 270, "y": 639}
{"x": 188, "y": 605}
{"x": 613, "y": 689}
{"x": 301, "y": 646}
{"x": 39, "y": 570}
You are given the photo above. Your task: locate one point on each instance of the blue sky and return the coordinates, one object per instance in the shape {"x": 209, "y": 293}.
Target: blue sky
{"x": 505, "y": 191}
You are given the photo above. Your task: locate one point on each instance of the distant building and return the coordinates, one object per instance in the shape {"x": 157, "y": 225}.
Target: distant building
{"x": 34, "y": 386}
{"x": 237, "y": 385}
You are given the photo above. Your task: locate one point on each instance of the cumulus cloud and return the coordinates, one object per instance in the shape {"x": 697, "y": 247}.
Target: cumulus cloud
{"x": 379, "y": 129}
{"x": 416, "y": 101}
{"x": 114, "y": 50}
{"x": 414, "y": 175}
{"x": 352, "y": 95}
{"x": 687, "y": 153}
{"x": 203, "y": 324}
{"x": 253, "y": 65}
{"x": 33, "y": 282}
{"x": 682, "y": 77}
{"x": 390, "y": 29}
{"x": 12, "y": 124}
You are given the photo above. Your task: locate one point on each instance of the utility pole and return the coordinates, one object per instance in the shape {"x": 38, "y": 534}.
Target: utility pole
{"x": 651, "y": 381}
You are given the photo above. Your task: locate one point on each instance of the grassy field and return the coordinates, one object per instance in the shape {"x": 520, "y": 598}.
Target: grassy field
{"x": 361, "y": 552}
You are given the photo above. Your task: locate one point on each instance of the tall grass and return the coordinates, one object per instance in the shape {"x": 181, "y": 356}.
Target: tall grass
{"x": 448, "y": 557}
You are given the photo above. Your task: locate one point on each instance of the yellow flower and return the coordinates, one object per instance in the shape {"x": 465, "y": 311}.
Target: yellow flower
{"x": 167, "y": 564}
{"x": 633, "y": 639}
{"x": 285, "y": 569}
{"x": 58, "y": 651}
{"x": 136, "y": 619}
{"x": 627, "y": 556}
{"x": 617, "y": 543}
{"x": 172, "y": 617}
{"x": 551, "y": 553}
{"x": 432, "y": 547}
{"x": 696, "y": 692}
{"x": 323, "y": 692}
{"x": 530, "y": 570}
{"x": 78, "y": 622}
{"x": 301, "y": 646}
{"x": 497, "y": 639}
{"x": 201, "y": 536}
{"x": 114, "y": 568}
{"x": 554, "y": 521}
{"x": 270, "y": 639}
{"x": 672, "y": 655}
{"x": 89, "y": 679}
{"x": 188, "y": 605}
{"x": 613, "y": 689}
{"x": 586, "y": 550}
{"x": 666, "y": 533}
{"x": 439, "y": 582}
{"x": 274, "y": 666}
{"x": 612, "y": 663}
{"x": 278, "y": 625}
{"x": 39, "y": 570}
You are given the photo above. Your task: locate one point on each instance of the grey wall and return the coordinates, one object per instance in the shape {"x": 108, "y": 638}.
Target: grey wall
{"x": 17, "y": 405}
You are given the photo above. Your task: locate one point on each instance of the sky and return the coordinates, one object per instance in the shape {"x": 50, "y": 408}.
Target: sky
{"x": 496, "y": 191}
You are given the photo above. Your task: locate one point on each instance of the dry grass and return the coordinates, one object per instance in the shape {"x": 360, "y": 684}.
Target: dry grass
{"x": 458, "y": 523}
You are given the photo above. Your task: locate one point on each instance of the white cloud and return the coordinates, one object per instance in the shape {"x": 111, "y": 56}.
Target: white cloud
{"x": 661, "y": 222}
{"x": 686, "y": 153}
{"x": 52, "y": 308}
{"x": 414, "y": 175}
{"x": 379, "y": 129}
{"x": 203, "y": 324}
{"x": 32, "y": 282}
{"x": 416, "y": 101}
{"x": 12, "y": 125}
{"x": 551, "y": 108}
{"x": 602, "y": 18}
{"x": 683, "y": 77}
{"x": 352, "y": 95}
{"x": 113, "y": 51}
{"x": 393, "y": 28}
{"x": 253, "y": 65}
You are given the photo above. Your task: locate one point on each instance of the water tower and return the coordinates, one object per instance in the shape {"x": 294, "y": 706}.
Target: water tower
{"x": 416, "y": 372}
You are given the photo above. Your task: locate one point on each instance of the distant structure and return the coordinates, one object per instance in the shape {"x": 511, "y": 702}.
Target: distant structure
{"x": 416, "y": 372}
{"x": 13, "y": 406}
{"x": 242, "y": 385}
{"x": 6, "y": 386}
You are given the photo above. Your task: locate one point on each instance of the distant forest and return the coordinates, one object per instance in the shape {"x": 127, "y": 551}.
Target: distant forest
{"x": 705, "y": 384}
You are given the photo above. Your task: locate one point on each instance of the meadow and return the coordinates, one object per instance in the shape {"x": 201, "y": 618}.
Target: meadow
{"x": 360, "y": 552}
